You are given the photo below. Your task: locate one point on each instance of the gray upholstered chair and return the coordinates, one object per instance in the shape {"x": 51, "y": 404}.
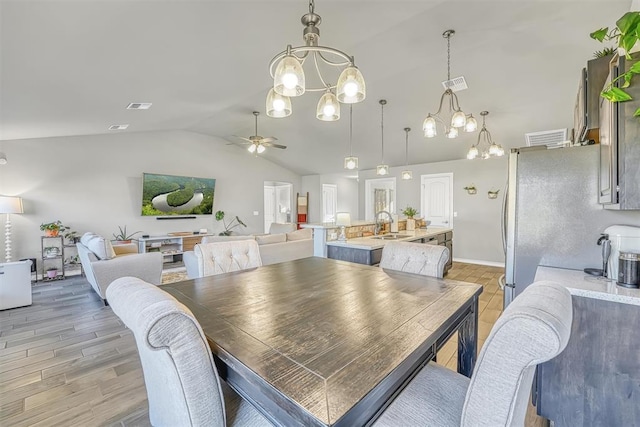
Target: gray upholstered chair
{"x": 416, "y": 258}
{"x": 225, "y": 257}
{"x": 182, "y": 382}
{"x": 534, "y": 328}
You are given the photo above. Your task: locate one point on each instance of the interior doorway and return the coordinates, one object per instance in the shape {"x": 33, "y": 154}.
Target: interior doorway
{"x": 380, "y": 195}
{"x": 329, "y": 202}
{"x": 278, "y": 198}
{"x": 436, "y": 199}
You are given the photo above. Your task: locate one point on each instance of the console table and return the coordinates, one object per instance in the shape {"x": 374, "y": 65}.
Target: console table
{"x": 171, "y": 246}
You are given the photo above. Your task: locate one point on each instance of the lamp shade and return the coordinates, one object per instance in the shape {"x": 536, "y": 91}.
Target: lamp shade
{"x": 11, "y": 204}
{"x": 343, "y": 219}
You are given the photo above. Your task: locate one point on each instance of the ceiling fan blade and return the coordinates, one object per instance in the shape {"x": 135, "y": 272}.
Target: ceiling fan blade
{"x": 242, "y": 137}
{"x": 268, "y": 139}
{"x": 269, "y": 144}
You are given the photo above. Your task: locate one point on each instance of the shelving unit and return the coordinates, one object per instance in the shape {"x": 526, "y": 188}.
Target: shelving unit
{"x": 52, "y": 258}
{"x": 171, "y": 247}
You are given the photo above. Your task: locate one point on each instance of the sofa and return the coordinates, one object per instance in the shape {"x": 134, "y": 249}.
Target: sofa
{"x": 103, "y": 263}
{"x": 283, "y": 243}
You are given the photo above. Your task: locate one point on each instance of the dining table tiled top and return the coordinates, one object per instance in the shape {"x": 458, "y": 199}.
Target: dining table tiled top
{"x": 323, "y": 342}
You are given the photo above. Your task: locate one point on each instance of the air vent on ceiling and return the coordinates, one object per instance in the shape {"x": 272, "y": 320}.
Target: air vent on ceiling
{"x": 455, "y": 84}
{"x": 139, "y": 106}
{"x": 550, "y": 138}
{"x": 118, "y": 127}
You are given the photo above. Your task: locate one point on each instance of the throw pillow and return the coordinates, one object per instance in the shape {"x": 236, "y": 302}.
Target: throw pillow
{"x": 100, "y": 246}
{"x": 271, "y": 238}
{"x": 304, "y": 234}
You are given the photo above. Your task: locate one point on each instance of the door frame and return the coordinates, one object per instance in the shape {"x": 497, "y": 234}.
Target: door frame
{"x": 423, "y": 178}
{"x": 368, "y": 196}
{"x": 331, "y": 189}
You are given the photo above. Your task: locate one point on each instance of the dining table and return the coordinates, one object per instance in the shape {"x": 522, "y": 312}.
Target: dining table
{"x": 322, "y": 342}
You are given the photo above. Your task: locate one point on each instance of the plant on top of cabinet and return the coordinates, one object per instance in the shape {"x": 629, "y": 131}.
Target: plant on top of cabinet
{"x": 626, "y": 33}
{"x": 52, "y": 229}
{"x": 409, "y": 212}
{"x": 123, "y": 237}
{"x": 235, "y": 222}
{"x": 471, "y": 189}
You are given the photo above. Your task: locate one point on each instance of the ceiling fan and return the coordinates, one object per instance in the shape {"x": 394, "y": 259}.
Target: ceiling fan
{"x": 257, "y": 143}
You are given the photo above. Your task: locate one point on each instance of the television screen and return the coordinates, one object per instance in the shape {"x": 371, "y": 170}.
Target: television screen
{"x": 164, "y": 195}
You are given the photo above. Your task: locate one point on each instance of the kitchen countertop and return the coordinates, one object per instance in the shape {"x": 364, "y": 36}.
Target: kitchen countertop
{"x": 584, "y": 285}
{"x": 369, "y": 243}
{"x": 331, "y": 225}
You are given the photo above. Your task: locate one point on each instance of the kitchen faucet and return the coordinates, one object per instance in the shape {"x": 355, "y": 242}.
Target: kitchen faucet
{"x": 379, "y": 224}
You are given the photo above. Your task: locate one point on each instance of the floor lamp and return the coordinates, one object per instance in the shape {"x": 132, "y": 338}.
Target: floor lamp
{"x": 9, "y": 205}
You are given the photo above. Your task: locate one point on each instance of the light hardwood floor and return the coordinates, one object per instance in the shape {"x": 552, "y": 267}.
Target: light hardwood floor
{"x": 68, "y": 360}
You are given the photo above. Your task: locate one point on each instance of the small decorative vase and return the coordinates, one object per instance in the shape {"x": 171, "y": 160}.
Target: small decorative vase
{"x": 411, "y": 224}
{"x": 51, "y": 274}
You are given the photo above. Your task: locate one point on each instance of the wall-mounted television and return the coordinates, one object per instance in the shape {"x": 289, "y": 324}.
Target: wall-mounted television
{"x": 168, "y": 195}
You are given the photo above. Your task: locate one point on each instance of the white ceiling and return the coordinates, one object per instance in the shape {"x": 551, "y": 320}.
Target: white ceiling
{"x": 71, "y": 67}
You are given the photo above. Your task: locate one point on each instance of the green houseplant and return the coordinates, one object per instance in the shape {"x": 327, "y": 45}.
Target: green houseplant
{"x": 52, "y": 229}
{"x": 235, "y": 222}
{"x": 409, "y": 212}
{"x": 122, "y": 236}
{"x": 626, "y": 34}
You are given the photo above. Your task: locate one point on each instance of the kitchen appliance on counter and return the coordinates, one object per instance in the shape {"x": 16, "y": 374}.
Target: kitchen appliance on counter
{"x": 551, "y": 214}
{"x": 606, "y": 253}
{"x": 628, "y": 269}
{"x": 623, "y": 238}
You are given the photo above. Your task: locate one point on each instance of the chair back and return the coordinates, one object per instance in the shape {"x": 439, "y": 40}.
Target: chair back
{"x": 225, "y": 257}
{"x": 534, "y": 328}
{"x": 179, "y": 373}
{"x": 416, "y": 258}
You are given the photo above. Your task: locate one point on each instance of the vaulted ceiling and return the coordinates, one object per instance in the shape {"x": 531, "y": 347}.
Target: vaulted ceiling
{"x": 71, "y": 67}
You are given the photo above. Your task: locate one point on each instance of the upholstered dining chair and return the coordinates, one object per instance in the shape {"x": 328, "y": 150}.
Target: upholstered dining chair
{"x": 182, "y": 382}
{"x": 225, "y": 257}
{"x": 534, "y": 328}
{"x": 416, "y": 258}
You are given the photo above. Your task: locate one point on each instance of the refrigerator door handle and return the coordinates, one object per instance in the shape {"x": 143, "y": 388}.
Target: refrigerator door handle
{"x": 503, "y": 220}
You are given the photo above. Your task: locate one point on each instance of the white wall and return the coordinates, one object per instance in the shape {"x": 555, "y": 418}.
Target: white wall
{"x": 477, "y": 234}
{"x": 94, "y": 183}
{"x": 347, "y": 194}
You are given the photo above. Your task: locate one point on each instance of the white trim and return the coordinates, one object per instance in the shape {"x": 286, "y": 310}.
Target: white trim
{"x": 479, "y": 262}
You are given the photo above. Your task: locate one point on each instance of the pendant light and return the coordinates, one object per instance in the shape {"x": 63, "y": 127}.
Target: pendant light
{"x": 491, "y": 150}
{"x": 278, "y": 105}
{"x": 406, "y": 174}
{"x": 351, "y": 162}
{"x": 458, "y": 118}
{"x": 382, "y": 169}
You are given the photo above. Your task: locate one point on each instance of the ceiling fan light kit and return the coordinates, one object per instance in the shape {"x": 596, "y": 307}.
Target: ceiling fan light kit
{"x": 458, "y": 118}
{"x": 257, "y": 143}
{"x": 289, "y": 80}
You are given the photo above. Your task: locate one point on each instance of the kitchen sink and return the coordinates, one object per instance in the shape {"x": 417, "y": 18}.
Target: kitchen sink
{"x": 391, "y": 236}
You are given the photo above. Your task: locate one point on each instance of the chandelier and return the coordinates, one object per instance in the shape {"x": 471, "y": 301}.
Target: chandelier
{"x": 491, "y": 150}
{"x": 406, "y": 174}
{"x": 351, "y": 162}
{"x": 458, "y": 118}
{"x": 382, "y": 169}
{"x": 289, "y": 79}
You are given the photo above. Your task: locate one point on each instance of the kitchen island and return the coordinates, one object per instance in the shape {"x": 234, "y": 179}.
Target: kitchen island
{"x": 595, "y": 381}
{"x": 368, "y": 250}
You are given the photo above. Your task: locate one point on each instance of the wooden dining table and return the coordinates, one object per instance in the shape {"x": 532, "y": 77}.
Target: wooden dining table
{"x": 321, "y": 342}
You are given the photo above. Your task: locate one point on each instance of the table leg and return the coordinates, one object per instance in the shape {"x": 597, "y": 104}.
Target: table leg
{"x": 468, "y": 341}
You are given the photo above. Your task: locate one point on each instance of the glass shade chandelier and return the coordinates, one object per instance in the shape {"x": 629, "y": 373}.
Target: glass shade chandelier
{"x": 458, "y": 118}
{"x": 351, "y": 162}
{"x": 406, "y": 174}
{"x": 489, "y": 148}
{"x": 289, "y": 79}
{"x": 382, "y": 169}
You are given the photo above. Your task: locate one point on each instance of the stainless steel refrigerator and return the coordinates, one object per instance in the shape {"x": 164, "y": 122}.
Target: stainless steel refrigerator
{"x": 551, "y": 215}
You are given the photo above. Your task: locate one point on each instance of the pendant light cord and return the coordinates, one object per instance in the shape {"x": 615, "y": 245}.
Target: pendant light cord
{"x": 406, "y": 158}
{"x": 350, "y": 130}
{"x": 382, "y": 102}
{"x": 448, "y": 57}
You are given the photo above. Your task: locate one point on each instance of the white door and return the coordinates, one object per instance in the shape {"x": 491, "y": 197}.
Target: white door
{"x": 436, "y": 200}
{"x": 329, "y": 202}
{"x": 380, "y": 195}
{"x": 269, "y": 206}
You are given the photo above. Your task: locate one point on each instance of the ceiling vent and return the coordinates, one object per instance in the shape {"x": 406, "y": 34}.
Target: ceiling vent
{"x": 550, "y": 138}
{"x": 139, "y": 106}
{"x": 118, "y": 127}
{"x": 455, "y": 84}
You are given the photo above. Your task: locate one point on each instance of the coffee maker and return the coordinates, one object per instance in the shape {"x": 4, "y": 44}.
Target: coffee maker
{"x": 623, "y": 238}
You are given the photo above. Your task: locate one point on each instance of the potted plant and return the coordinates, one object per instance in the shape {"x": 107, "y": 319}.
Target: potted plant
{"x": 493, "y": 194}
{"x": 71, "y": 236}
{"x": 235, "y": 222}
{"x": 123, "y": 237}
{"x": 52, "y": 229}
{"x": 410, "y": 212}
{"x": 626, "y": 34}
{"x": 471, "y": 189}
{"x": 52, "y": 272}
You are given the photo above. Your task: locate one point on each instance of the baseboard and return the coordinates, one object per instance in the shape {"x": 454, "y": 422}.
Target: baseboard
{"x": 480, "y": 262}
